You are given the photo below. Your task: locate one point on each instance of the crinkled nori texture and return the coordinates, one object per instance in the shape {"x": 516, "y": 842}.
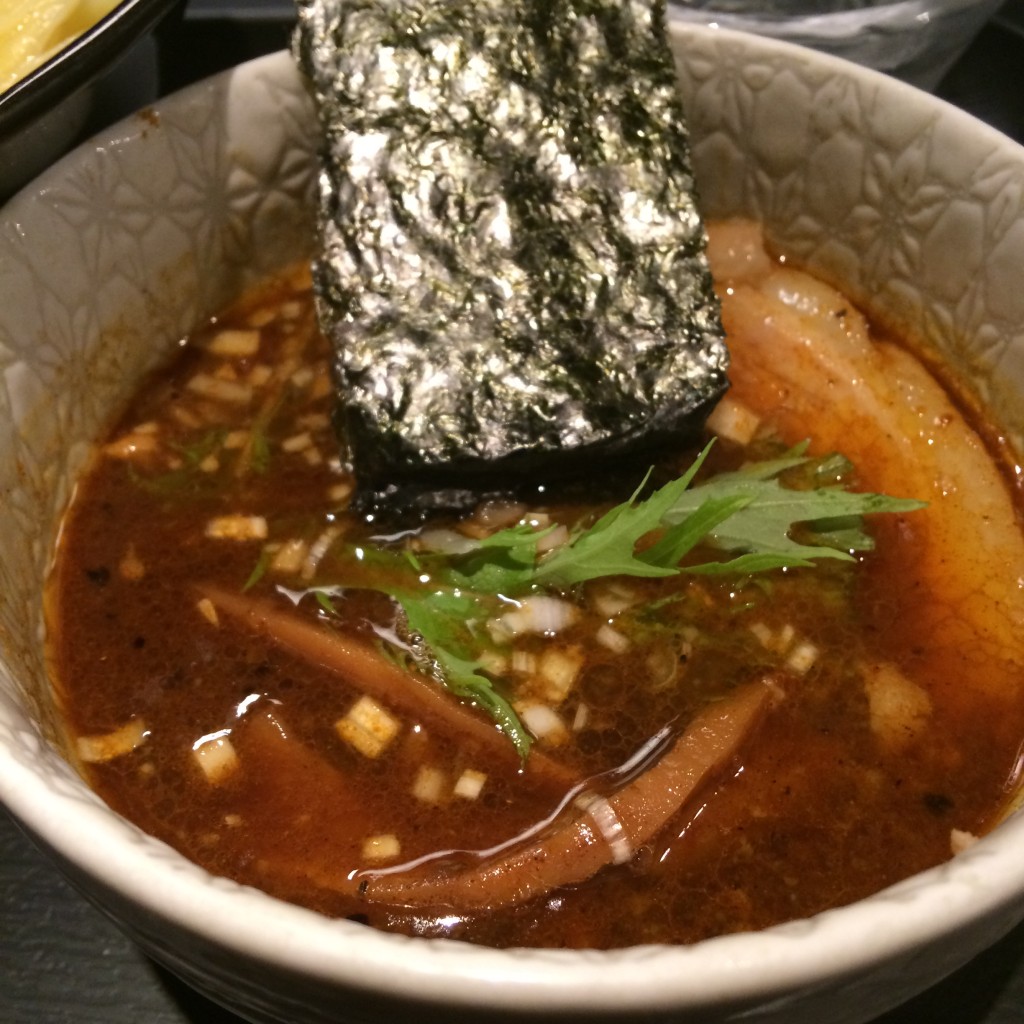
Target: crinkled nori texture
{"x": 512, "y": 266}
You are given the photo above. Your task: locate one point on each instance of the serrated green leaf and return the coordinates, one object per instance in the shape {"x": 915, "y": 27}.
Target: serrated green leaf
{"x": 747, "y": 512}
{"x": 503, "y": 563}
{"x": 608, "y": 548}
{"x": 763, "y": 525}
{"x": 440, "y": 619}
{"x": 679, "y": 540}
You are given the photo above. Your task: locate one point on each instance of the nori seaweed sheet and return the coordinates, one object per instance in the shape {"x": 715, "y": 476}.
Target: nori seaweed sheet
{"x": 512, "y": 267}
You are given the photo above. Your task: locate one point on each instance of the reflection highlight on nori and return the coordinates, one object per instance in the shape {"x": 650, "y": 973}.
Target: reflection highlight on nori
{"x": 512, "y": 268}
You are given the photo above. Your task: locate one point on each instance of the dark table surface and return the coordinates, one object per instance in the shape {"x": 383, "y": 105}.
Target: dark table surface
{"x": 62, "y": 962}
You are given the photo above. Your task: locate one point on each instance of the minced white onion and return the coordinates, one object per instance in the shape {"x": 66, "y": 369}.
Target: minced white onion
{"x": 386, "y": 847}
{"x": 216, "y": 755}
{"x": 734, "y": 421}
{"x": 539, "y": 613}
{"x": 429, "y": 784}
{"x": 960, "y": 840}
{"x": 581, "y": 717}
{"x": 236, "y": 527}
{"x": 446, "y": 542}
{"x": 542, "y": 721}
{"x": 231, "y": 342}
{"x": 469, "y": 784}
{"x": 611, "y": 638}
{"x": 107, "y": 746}
{"x": 612, "y": 600}
{"x": 207, "y": 386}
{"x": 318, "y": 549}
{"x": 524, "y": 663}
{"x": 802, "y": 657}
{"x": 557, "y": 669}
{"x": 554, "y": 538}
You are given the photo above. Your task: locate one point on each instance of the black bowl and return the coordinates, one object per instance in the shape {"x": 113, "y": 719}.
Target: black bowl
{"x": 42, "y": 113}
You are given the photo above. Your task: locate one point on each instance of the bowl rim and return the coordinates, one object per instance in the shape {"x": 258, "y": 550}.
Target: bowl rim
{"x": 725, "y": 970}
{"x": 891, "y": 15}
{"x": 83, "y": 59}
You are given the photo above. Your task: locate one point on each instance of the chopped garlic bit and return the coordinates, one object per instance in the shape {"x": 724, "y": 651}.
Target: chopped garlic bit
{"x": 322, "y": 385}
{"x": 608, "y": 636}
{"x": 524, "y": 663}
{"x": 557, "y": 670}
{"x": 319, "y": 548}
{"x": 543, "y": 722}
{"x": 491, "y": 516}
{"x": 187, "y": 417}
{"x": 470, "y": 784}
{"x": 314, "y": 421}
{"x": 210, "y": 464}
{"x": 734, "y": 421}
{"x": 259, "y": 375}
{"x": 297, "y": 442}
{"x": 107, "y": 746}
{"x": 580, "y": 719}
{"x": 237, "y": 527}
{"x": 493, "y": 662}
{"x": 539, "y": 613}
{"x": 130, "y": 445}
{"x": 960, "y": 840}
{"x": 235, "y": 343}
{"x": 219, "y": 390}
{"x": 131, "y": 567}
{"x": 444, "y": 541}
{"x": 802, "y": 657}
{"x": 261, "y": 317}
{"x": 340, "y": 492}
{"x": 897, "y": 707}
{"x": 429, "y": 784}
{"x": 536, "y": 520}
{"x": 290, "y": 556}
{"x": 612, "y": 599}
{"x": 367, "y": 727}
{"x": 785, "y": 637}
{"x": 215, "y": 754}
{"x": 208, "y": 610}
{"x": 236, "y": 439}
{"x": 554, "y": 538}
{"x": 381, "y": 847}
{"x": 232, "y": 820}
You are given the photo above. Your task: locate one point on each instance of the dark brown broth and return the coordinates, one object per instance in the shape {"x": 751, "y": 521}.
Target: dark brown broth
{"x": 820, "y": 815}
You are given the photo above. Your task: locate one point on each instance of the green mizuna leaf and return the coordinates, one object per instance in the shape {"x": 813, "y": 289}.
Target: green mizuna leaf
{"x": 748, "y": 514}
{"x": 748, "y": 511}
{"x": 608, "y": 548}
{"x": 761, "y": 526}
{"x": 441, "y": 620}
{"x": 504, "y": 563}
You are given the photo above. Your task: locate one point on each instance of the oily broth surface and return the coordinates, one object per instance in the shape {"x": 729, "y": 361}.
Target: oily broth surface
{"x": 820, "y": 810}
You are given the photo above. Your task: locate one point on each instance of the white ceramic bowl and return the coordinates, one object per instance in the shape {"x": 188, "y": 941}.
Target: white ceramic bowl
{"x": 918, "y": 41}
{"x": 117, "y": 251}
